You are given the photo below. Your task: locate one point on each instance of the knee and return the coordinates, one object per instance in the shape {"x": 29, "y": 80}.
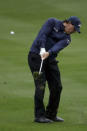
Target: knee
{"x": 59, "y": 88}
{"x": 39, "y": 92}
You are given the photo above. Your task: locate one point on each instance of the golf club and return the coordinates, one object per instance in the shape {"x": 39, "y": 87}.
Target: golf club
{"x": 36, "y": 74}
{"x": 41, "y": 66}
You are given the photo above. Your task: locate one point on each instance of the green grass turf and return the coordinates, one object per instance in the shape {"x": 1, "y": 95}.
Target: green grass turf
{"x": 25, "y": 17}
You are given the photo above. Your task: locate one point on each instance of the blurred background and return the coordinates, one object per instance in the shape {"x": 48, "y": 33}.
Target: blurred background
{"x": 24, "y": 18}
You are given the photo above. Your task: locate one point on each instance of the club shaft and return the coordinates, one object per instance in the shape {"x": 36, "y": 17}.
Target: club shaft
{"x": 41, "y": 66}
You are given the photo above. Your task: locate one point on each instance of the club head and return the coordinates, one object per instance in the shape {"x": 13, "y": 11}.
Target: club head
{"x": 36, "y": 75}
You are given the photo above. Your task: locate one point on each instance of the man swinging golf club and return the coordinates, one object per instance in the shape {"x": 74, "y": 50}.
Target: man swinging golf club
{"x": 53, "y": 37}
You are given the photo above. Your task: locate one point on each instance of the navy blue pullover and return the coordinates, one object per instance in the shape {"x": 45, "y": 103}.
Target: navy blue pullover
{"x": 51, "y": 37}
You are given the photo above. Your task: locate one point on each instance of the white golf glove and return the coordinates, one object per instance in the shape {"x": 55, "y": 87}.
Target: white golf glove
{"x": 42, "y": 51}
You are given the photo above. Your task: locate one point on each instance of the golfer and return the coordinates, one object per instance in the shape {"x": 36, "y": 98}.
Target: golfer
{"x": 51, "y": 39}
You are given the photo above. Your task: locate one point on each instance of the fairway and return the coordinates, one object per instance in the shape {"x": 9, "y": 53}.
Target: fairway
{"x": 25, "y": 18}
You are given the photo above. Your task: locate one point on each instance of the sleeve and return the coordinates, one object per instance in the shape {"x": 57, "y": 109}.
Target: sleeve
{"x": 59, "y": 46}
{"x": 45, "y": 31}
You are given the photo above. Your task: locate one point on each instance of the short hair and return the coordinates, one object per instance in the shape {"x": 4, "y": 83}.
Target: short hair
{"x": 66, "y": 21}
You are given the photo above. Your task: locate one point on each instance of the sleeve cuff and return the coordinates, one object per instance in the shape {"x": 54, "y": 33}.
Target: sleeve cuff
{"x": 50, "y": 52}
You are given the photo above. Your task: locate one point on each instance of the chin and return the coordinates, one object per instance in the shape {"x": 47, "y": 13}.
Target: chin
{"x": 68, "y": 33}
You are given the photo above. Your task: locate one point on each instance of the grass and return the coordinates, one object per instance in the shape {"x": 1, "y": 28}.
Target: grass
{"x": 25, "y": 17}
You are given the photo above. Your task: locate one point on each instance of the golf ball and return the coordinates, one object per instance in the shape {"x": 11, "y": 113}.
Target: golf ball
{"x": 12, "y": 32}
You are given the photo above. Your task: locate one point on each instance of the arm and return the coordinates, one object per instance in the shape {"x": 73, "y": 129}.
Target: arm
{"x": 45, "y": 31}
{"x": 59, "y": 46}
{"x": 56, "y": 48}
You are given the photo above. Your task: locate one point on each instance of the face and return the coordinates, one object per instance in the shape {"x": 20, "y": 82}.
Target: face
{"x": 69, "y": 29}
